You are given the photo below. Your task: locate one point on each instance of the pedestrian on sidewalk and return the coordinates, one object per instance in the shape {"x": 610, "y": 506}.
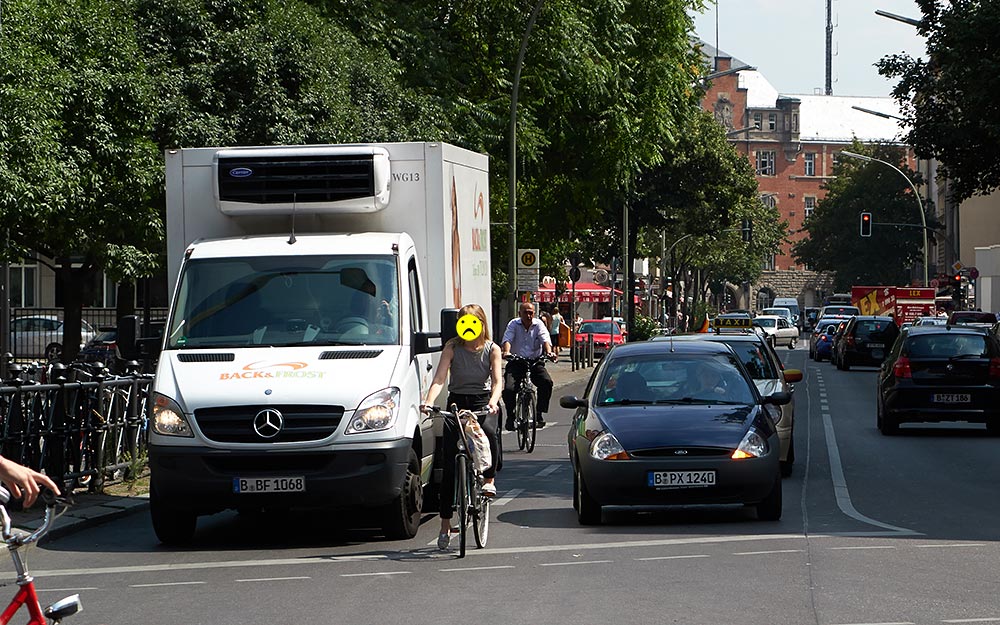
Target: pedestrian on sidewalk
{"x": 555, "y": 322}
{"x": 473, "y": 360}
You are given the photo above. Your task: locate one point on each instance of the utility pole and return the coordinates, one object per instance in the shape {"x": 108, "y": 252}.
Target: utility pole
{"x": 829, "y": 47}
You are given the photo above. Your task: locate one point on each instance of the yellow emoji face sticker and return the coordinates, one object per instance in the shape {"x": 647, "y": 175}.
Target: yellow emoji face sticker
{"x": 469, "y": 327}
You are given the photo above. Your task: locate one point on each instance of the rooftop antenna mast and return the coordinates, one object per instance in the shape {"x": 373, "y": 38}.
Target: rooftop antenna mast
{"x": 829, "y": 47}
{"x": 291, "y": 238}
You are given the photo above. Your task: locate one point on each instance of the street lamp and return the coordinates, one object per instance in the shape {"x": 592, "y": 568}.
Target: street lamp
{"x": 916, "y": 194}
{"x": 512, "y": 165}
{"x": 878, "y": 113}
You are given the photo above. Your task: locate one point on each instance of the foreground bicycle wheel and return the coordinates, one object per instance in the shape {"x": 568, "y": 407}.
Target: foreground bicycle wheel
{"x": 462, "y": 500}
{"x": 521, "y": 426}
{"x": 481, "y": 518}
{"x": 530, "y": 422}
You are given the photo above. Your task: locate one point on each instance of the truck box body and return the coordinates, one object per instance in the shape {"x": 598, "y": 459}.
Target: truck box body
{"x": 292, "y": 372}
{"x": 904, "y": 304}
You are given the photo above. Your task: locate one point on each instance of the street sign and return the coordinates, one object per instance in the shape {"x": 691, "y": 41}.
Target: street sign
{"x": 958, "y": 265}
{"x": 528, "y": 273}
{"x": 574, "y": 274}
{"x": 973, "y": 272}
{"x": 934, "y": 282}
{"x": 527, "y": 258}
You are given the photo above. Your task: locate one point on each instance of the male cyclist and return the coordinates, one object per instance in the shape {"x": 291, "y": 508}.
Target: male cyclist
{"x": 527, "y": 336}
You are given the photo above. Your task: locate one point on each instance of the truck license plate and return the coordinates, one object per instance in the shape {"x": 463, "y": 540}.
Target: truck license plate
{"x": 680, "y": 479}
{"x": 269, "y": 484}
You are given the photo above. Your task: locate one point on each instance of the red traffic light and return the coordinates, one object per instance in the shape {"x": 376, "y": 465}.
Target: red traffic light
{"x": 866, "y": 224}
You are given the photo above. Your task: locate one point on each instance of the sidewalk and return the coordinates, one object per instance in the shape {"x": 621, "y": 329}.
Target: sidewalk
{"x": 91, "y": 509}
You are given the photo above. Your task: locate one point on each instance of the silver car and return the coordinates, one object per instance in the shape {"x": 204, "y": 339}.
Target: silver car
{"x": 41, "y": 336}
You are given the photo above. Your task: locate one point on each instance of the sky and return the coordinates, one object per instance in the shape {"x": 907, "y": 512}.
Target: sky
{"x": 786, "y": 41}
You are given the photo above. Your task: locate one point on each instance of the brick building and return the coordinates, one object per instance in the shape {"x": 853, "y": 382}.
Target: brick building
{"x": 792, "y": 141}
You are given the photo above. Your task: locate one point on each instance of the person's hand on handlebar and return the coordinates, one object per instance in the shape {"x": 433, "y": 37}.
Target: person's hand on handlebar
{"x": 24, "y": 482}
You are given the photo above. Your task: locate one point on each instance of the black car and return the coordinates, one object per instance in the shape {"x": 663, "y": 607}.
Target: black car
{"x": 835, "y": 339}
{"x": 668, "y": 423}
{"x": 865, "y": 340}
{"x": 102, "y": 348}
{"x": 940, "y": 373}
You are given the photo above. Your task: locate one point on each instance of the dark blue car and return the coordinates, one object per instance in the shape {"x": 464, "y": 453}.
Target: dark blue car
{"x": 670, "y": 423}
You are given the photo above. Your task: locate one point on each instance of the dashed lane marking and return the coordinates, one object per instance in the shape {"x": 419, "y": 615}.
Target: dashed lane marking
{"x": 507, "y": 498}
{"x": 549, "y": 470}
{"x": 274, "y": 579}
{"x": 166, "y": 584}
{"x": 575, "y": 563}
{"x": 477, "y": 568}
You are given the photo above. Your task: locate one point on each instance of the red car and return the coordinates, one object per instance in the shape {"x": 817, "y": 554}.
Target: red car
{"x": 606, "y": 333}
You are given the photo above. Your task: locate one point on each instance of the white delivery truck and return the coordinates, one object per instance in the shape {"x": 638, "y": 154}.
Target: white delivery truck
{"x": 299, "y": 342}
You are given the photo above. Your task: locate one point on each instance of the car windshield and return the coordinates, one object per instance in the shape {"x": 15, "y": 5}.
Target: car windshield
{"x": 284, "y": 301}
{"x": 756, "y": 362}
{"x": 596, "y": 327}
{"x": 973, "y": 316}
{"x": 946, "y": 345}
{"x": 875, "y": 330}
{"x": 841, "y": 310}
{"x": 765, "y": 323}
{"x": 671, "y": 377}
{"x": 781, "y": 312}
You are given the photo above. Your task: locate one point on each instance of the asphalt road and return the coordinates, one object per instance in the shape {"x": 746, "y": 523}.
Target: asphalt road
{"x": 875, "y": 530}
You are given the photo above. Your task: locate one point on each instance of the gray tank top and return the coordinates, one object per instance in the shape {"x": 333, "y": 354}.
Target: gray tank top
{"x": 470, "y": 371}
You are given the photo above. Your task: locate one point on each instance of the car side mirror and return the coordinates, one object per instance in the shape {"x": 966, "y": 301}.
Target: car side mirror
{"x": 778, "y": 399}
{"x": 793, "y": 375}
{"x": 572, "y": 402}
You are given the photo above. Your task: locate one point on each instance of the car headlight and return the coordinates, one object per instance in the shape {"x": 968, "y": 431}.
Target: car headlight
{"x": 607, "y": 447}
{"x": 168, "y": 418}
{"x": 753, "y": 445}
{"x": 774, "y": 412}
{"x": 376, "y": 412}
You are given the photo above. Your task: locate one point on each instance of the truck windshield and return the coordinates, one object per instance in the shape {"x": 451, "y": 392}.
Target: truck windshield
{"x": 286, "y": 301}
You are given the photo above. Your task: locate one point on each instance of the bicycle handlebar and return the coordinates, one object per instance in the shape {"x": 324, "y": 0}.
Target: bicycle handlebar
{"x": 530, "y": 361}
{"x": 17, "y": 539}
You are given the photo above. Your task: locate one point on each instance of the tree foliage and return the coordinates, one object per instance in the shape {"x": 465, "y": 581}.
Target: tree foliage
{"x": 834, "y": 242}
{"x": 949, "y": 98}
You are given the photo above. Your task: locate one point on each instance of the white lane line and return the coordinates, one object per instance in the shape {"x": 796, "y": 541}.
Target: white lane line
{"x": 166, "y": 584}
{"x": 477, "y": 568}
{"x": 64, "y": 589}
{"x": 761, "y": 553}
{"x": 950, "y": 546}
{"x": 879, "y": 623}
{"x": 274, "y": 579}
{"x": 971, "y": 620}
{"x": 840, "y": 482}
{"x": 700, "y": 555}
{"x": 549, "y": 470}
{"x": 508, "y": 497}
{"x": 575, "y": 563}
{"x": 386, "y": 573}
{"x": 860, "y": 548}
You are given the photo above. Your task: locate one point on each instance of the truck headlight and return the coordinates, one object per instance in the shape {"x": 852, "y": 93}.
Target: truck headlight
{"x": 376, "y": 412}
{"x": 168, "y": 418}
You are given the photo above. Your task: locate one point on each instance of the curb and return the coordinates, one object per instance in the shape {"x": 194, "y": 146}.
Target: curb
{"x": 80, "y": 518}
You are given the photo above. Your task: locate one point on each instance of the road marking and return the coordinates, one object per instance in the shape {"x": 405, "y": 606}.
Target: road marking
{"x": 971, "y": 620}
{"x": 840, "y": 482}
{"x": 166, "y": 584}
{"x": 64, "y": 589}
{"x": 549, "y": 470}
{"x": 274, "y": 579}
{"x": 700, "y": 555}
{"x": 892, "y": 623}
{"x": 508, "y": 497}
{"x": 761, "y": 553}
{"x": 477, "y": 568}
{"x": 375, "y": 574}
{"x": 859, "y": 548}
{"x": 950, "y": 546}
{"x": 575, "y": 563}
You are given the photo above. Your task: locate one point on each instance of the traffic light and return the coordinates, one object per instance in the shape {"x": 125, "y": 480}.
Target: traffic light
{"x": 866, "y": 224}
{"x": 746, "y": 230}
{"x": 956, "y": 282}
{"x": 574, "y": 270}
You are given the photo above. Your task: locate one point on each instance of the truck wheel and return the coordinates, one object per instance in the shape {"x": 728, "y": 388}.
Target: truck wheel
{"x": 402, "y": 516}
{"x": 172, "y": 526}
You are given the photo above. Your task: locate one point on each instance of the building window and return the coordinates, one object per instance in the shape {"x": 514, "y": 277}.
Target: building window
{"x": 795, "y": 122}
{"x": 757, "y": 121}
{"x": 809, "y": 207}
{"x": 24, "y": 284}
{"x": 765, "y": 163}
{"x": 768, "y": 265}
{"x": 764, "y": 298}
{"x": 767, "y": 199}
{"x": 810, "y": 163}
{"x": 772, "y": 121}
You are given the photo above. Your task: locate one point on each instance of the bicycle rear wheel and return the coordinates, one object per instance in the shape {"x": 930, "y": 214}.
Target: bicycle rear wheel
{"x": 462, "y": 500}
{"x": 481, "y": 517}
{"x": 530, "y": 418}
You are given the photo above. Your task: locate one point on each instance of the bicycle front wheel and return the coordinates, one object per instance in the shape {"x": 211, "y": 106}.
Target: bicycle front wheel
{"x": 521, "y": 423}
{"x": 481, "y": 518}
{"x": 462, "y": 500}
{"x": 530, "y": 424}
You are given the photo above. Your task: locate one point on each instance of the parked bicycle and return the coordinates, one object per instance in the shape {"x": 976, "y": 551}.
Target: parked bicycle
{"x": 471, "y": 504}
{"x": 525, "y": 409}
{"x": 26, "y": 594}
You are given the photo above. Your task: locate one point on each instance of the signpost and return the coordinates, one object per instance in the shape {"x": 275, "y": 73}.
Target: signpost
{"x": 527, "y": 270}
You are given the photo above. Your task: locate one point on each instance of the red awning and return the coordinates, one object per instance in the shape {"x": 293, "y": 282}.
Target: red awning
{"x": 586, "y": 292}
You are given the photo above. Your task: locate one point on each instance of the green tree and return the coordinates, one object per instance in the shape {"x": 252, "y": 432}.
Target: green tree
{"x": 77, "y": 166}
{"x": 949, "y": 98}
{"x": 834, "y": 242}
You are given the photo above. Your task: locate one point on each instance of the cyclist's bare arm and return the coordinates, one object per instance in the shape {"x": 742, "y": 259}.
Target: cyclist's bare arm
{"x": 24, "y": 482}
{"x": 496, "y": 379}
{"x": 440, "y": 376}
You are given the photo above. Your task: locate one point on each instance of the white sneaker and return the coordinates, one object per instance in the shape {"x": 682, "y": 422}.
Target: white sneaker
{"x": 444, "y": 540}
{"x": 490, "y": 490}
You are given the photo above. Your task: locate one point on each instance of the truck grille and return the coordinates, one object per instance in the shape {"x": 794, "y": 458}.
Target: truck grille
{"x": 235, "y": 424}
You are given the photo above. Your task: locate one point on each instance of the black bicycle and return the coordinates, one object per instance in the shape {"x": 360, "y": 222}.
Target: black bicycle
{"x": 525, "y": 403}
{"x": 472, "y": 505}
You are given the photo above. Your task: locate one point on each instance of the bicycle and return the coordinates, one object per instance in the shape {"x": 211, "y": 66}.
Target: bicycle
{"x": 471, "y": 504}
{"x": 27, "y": 595}
{"x": 525, "y": 403}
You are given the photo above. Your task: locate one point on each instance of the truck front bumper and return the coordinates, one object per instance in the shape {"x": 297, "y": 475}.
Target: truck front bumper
{"x": 202, "y": 479}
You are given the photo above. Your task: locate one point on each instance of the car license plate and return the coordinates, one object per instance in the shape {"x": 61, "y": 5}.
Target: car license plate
{"x": 876, "y": 345}
{"x": 952, "y": 398}
{"x": 680, "y": 479}
{"x": 269, "y": 484}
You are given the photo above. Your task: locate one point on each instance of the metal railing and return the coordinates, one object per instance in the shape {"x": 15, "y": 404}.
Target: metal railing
{"x": 79, "y": 426}
{"x": 32, "y": 337}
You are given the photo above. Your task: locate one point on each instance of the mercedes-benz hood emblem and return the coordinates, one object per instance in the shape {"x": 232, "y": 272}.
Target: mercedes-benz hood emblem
{"x": 268, "y": 423}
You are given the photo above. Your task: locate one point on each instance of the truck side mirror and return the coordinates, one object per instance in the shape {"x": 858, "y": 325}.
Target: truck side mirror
{"x": 128, "y": 331}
